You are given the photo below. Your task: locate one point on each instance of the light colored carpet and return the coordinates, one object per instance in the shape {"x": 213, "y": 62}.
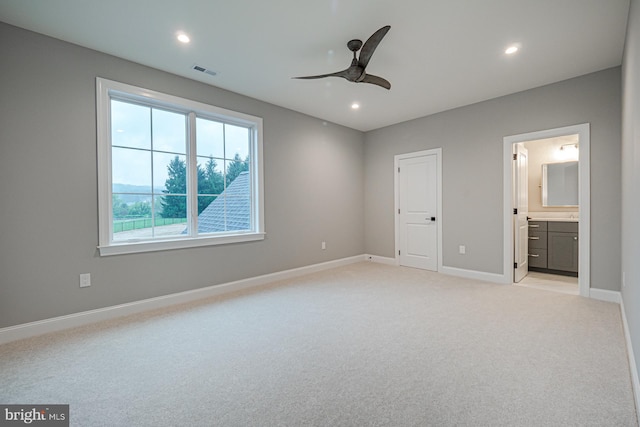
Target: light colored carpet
{"x": 362, "y": 345}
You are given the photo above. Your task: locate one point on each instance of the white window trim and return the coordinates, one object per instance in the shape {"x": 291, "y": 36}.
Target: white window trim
{"x": 104, "y": 89}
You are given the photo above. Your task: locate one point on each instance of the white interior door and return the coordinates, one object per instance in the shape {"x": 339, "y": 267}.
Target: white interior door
{"x": 521, "y": 212}
{"x": 418, "y": 231}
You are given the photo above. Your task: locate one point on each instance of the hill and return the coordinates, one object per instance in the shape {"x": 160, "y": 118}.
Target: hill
{"x": 134, "y": 193}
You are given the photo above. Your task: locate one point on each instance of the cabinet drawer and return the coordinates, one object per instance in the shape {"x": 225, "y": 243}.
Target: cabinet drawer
{"x": 537, "y": 239}
{"x": 538, "y": 225}
{"x": 563, "y": 227}
{"x": 538, "y": 258}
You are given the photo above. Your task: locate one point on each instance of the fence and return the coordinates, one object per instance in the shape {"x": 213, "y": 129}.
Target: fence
{"x": 135, "y": 224}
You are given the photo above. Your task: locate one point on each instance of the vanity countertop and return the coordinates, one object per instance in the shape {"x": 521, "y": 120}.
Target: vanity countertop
{"x": 556, "y": 219}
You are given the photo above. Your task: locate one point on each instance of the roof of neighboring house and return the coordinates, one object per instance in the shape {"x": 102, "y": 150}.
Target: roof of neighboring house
{"x": 235, "y": 201}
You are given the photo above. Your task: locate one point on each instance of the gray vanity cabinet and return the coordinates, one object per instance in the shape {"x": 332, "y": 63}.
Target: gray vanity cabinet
{"x": 562, "y": 251}
{"x": 553, "y": 247}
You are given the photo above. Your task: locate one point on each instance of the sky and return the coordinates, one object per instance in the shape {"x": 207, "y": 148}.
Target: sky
{"x": 144, "y": 141}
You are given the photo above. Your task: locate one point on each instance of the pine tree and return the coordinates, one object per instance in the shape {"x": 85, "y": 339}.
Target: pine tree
{"x": 236, "y": 167}
{"x": 176, "y": 183}
{"x": 210, "y": 182}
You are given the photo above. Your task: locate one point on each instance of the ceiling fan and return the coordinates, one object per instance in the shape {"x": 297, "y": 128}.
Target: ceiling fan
{"x": 356, "y": 72}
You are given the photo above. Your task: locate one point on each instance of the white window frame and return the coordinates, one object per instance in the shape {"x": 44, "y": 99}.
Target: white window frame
{"x": 105, "y": 90}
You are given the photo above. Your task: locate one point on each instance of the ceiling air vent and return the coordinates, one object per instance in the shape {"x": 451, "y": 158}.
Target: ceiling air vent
{"x": 204, "y": 70}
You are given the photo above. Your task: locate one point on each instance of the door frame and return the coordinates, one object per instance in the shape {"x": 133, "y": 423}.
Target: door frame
{"x": 396, "y": 190}
{"x": 584, "y": 199}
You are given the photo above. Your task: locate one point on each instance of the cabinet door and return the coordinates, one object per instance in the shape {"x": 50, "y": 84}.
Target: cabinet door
{"x": 562, "y": 251}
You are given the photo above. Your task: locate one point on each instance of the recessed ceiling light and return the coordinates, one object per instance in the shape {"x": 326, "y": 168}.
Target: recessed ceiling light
{"x": 511, "y": 50}
{"x": 182, "y": 37}
{"x": 355, "y": 106}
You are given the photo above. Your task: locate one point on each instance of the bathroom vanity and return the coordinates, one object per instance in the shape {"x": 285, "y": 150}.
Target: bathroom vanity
{"x": 553, "y": 247}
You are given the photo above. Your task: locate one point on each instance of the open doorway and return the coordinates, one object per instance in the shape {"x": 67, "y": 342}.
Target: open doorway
{"x": 559, "y": 243}
{"x": 552, "y": 214}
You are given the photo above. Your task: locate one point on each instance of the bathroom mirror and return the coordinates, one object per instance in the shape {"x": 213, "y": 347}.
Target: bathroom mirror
{"x": 560, "y": 184}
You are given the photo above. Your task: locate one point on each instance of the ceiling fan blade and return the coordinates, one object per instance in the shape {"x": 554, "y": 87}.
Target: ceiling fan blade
{"x": 371, "y": 44}
{"x": 370, "y": 78}
{"x": 321, "y": 76}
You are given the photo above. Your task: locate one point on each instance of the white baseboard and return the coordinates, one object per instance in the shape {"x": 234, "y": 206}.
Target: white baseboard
{"x": 27, "y": 330}
{"x": 381, "y": 259}
{"x": 635, "y": 382}
{"x": 473, "y": 274}
{"x": 605, "y": 295}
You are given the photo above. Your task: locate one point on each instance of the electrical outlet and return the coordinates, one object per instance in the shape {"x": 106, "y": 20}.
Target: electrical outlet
{"x": 462, "y": 249}
{"x": 85, "y": 280}
{"x": 324, "y": 245}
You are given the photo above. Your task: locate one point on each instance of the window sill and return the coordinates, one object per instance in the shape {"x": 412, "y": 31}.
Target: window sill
{"x": 164, "y": 245}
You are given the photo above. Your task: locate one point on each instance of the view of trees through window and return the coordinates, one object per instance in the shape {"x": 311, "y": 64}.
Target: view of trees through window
{"x": 150, "y": 170}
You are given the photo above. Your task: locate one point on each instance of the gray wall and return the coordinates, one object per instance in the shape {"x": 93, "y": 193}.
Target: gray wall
{"x": 631, "y": 177}
{"x": 314, "y": 187}
{"x": 471, "y": 138}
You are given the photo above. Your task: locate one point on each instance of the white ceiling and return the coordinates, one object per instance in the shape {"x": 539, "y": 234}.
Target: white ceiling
{"x": 438, "y": 55}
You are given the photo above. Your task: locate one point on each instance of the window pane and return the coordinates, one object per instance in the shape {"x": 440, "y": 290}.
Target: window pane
{"x": 238, "y": 202}
{"x": 130, "y": 125}
{"x": 210, "y": 176}
{"x": 131, "y": 229}
{"x": 234, "y": 168}
{"x": 166, "y": 227}
{"x": 131, "y": 226}
{"x": 211, "y": 217}
{"x": 169, "y": 131}
{"x": 236, "y": 141}
{"x": 172, "y": 207}
{"x": 240, "y": 186}
{"x": 238, "y": 213}
{"x": 131, "y": 206}
{"x": 170, "y": 173}
{"x": 131, "y": 167}
{"x": 231, "y": 211}
{"x": 225, "y": 214}
{"x": 131, "y": 195}
{"x": 210, "y": 138}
